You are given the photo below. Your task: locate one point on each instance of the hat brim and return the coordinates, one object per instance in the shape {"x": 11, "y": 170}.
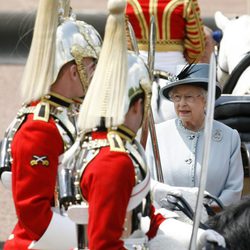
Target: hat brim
{"x": 199, "y": 82}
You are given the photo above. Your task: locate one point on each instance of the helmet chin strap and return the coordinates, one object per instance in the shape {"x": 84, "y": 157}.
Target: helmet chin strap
{"x": 77, "y": 52}
{"x": 85, "y": 80}
{"x": 86, "y": 73}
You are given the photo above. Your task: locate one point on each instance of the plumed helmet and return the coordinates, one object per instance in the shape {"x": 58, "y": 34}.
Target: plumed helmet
{"x": 58, "y": 38}
{"x": 138, "y": 81}
{"x": 119, "y": 76}
{"x": 76, "y": 40}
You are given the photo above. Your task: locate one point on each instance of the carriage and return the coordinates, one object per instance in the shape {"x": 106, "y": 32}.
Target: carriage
{"x": 233, "y": 72}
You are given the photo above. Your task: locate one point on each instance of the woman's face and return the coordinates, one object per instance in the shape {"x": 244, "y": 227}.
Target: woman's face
{"x": 189, "y": 102}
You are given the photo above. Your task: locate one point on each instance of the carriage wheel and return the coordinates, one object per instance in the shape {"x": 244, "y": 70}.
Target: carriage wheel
{"x": 236, "y": 73}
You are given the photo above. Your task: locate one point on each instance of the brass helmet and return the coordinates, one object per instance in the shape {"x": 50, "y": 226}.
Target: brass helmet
{"x": 76, "y": 40}
{"x": 138, "y": 81}
{"x": 120, "y": 76}
{"x": 58, "y": 38}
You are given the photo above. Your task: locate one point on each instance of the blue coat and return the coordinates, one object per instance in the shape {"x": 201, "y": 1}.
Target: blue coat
{"x": 181, "y": 159}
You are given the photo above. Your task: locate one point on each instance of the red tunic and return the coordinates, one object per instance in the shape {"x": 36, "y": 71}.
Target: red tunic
{"x": 178, "y": 25}
{"x": 107, "y": 184}
{"x": 35, "y": 150}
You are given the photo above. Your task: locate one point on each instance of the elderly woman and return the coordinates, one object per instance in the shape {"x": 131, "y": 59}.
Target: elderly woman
{"x": 181, "y": 140}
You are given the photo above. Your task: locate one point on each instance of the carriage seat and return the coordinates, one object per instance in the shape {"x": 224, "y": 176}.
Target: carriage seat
{"x": 234, "y": 111}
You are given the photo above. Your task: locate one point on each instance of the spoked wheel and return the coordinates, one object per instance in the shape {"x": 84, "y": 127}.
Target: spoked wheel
{"x": 236, "y": 73}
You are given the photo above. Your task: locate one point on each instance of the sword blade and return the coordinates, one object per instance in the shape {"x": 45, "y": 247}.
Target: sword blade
{"x": 151, "y": 47}
{"x": 155, "y": 147}
{"x": 151, "y": 123}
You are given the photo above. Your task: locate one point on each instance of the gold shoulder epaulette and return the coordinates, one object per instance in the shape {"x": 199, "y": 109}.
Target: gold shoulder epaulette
{"x": 42, "y": 112}
{"x": 115, "y": 141}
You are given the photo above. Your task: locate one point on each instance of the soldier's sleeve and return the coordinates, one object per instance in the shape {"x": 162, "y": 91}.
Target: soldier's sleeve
{"x": 35, "y": 149}
{"x": 107, "y": 185}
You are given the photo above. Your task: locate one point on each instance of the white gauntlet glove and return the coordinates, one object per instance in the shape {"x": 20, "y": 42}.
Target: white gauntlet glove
{"x": 176, "y": 235}
{"x": 6, "y": 179}
{"x": 60, "y": 234}
{"x": 212, "y": 236}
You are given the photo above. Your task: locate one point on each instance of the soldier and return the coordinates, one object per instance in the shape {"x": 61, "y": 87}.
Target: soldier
{"x": 180, "y": 36}
{"x": 60, "y": 65}
{"x": 180, "y": 39}
{"x": 113, "y": 176}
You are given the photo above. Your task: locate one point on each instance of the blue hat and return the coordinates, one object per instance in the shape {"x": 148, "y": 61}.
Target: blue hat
{"x": 195, "y": 75}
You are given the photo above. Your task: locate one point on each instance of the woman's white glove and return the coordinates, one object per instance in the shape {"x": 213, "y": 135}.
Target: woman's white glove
{"x": 159, "y": 192}
{"x": 159, "y": 195}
